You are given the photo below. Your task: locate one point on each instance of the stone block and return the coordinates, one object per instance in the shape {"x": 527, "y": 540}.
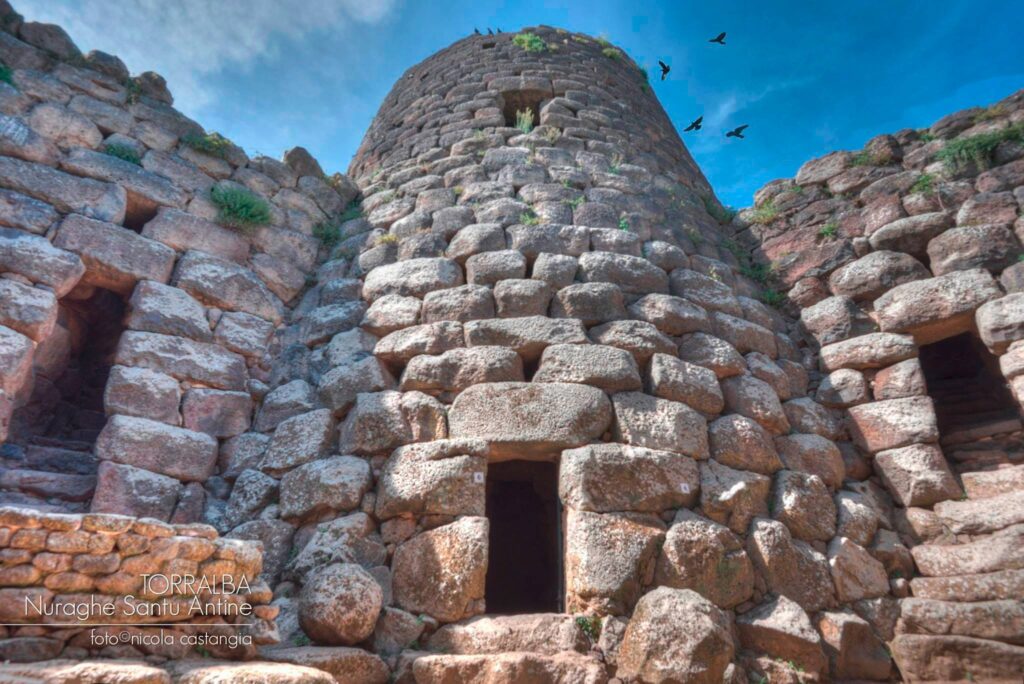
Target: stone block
{"x": 160, "y": 448}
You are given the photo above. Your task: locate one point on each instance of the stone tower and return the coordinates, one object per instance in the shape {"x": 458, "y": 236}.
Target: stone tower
{"x": 515, "y": 403}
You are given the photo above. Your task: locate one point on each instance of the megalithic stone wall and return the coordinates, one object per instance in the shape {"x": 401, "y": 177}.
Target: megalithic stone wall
{"x": 535, "y": 270}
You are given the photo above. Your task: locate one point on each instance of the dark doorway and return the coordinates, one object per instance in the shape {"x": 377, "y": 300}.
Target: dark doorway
{"x": 971, "y": 397}
{"x": 517, "y": 101}
{"x": 524, "y": 570}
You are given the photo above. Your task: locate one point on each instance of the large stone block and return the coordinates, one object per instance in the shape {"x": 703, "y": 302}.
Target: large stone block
{"x": 893, "y": 423}
{"x": 992, "y": 247}
{"x": 936, "y": 308}
{"x": 646, "y": 421}
{"x": 297, "y": 441}
{"x": 383, "y": 421}
{"x": 142, "y": 393}
{"x": 38, "y": 260}
{"x": 671, "y": 315}
{"x": 874, "y": 350}
{"x": 434, "y": 478}
{"x": 184, "y": 232}
{"x": 755, "y": 399}
{"x": 145, "y": 189}
{"x": 31, "y": 311}
{"x": 330, "y": 485}
{"x": 412, "y": 278}
{"x": 216, "y": 412}
{"x": 340, "y": 604}
{"x": 1001, "y": 322}
{"x": 874, "y": 274}
{"x": 609, "y": 558}
{"x": 605, "y": 478}
{"x": 160, "y": 448}
{"x": 916, "y": 475}
{"x": 527, "y": 336}
{"x": 16, "y": 353}
{"x": 226, "y": 285}
{"x": 607, "y": 368}
{"x": 184, "y": 359}
{"x": 530, "y": 420}
{"x": 442, "y": 572}
{"x": 126, "y": 490}
{"x": 159, "y": 308}
{"x": 69, "y": 194}
{"x": 633, "y": 274}
{"x": 733, "y": 497}
{"x": 740, "y": 442}
{"x": 782, "y": 630}
{"x": 115, "y": 258}
{"x": 455, "y": 370}
{"x": 791, "y": 568}
{"x": 354, "y": 375}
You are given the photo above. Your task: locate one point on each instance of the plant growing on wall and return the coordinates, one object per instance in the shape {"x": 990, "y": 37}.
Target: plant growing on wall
{"x": 6, "y": 74}
{"x": 123, "y": 152}
{"x": 530, "y": 42}
{"x": 524, "y": 120}
{"x": 213, "y": 144}
{"x": 239, "y": 208}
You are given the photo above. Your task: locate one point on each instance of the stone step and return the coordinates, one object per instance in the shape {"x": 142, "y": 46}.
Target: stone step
{"x": 973, "y": 432}
{"x": 1001, "y": 620}
{"x": 1000, "y": 551}
{"x": 1004, "y": 584}
{"x": 922, "y": 657}
{"x": 982, "y": 516}
{"x": 545, "y": 633}
{"x": 509, "y": 668}
{"x": 988, "y": 483}
{"x": 49, "y": 485}
{"x": 72, "y": 672}
{"x": 343, "y": 663}
{"x": 58, "y": 460}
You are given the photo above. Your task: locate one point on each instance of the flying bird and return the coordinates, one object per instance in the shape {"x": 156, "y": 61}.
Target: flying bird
{"x": 736, "y": 132}
{"x": 694, "y": 125}
{"x": 665, "y": 68}
{"x": 720, "y": 39}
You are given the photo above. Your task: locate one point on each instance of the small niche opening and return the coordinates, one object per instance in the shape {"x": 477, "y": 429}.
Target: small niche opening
{"x": 524, "y": 565}
{"x": 488, "y": 46}
{"x": 522, "y": 100}
{"x": 971, "y": 398}
{"x": 139, "y": 212}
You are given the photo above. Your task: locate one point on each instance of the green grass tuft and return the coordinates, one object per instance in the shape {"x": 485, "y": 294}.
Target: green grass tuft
{"x": 352, "y": 211}
{"x": 624, "y": 223}
{"x": 123, "y": 152}
{"x": 387, "y": 239}
{"x": 829, "y": 230}
{"x": 719, "y": 212}
{"x": 766, "y": 213}
{"x": 240, "y": 209}
{"x": 213, "y": 144}
{"x": 960, "y": 153}
{"x": 925, "y": 184}
{"x": 328, "y": 233}
{"x": 772, "y": 297}
{"x": 589, "y": 625}
{"x": 528, "y": 218}
{"x": 6, "y": 74}
{"x": 524, "y": 120}
{"x": 864, "y": 158}
{"x": 530, "y": 42}
{"x": 612, "y": 53}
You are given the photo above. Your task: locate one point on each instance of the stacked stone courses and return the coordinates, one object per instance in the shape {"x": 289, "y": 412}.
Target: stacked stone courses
{"x": 747, "y": 492}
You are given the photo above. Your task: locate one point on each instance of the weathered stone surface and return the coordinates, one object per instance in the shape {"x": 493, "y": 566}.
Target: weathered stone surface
{"x": 412, "y": 278}
{"x": 740, "y": 442}
{"x": 298, "y": 440}
{"x": 115, "y": 258}
{"x": 853, "y": 650}
{"x": 30, "y": 311}
{"x": 823, "y": 168}
{"x": 910, "y": 235}
{"x": 434, "y": 478}
{"x": 143, "y": 393}
{"x": 672, "y": 378}
{"x": 401, "y": 346}
{"x": 992, "y": 247}
{"x": 643, "y": 420}
{"x": 605, "y": 478}
{"x": 390, "y": 313}
{"x": 982, "y": 516}
{"x": 325, "y": 485}
{"x": 875, "y": 273}
{"x": 487, "y": 268}
{"x": 68, "y": 194}
{"x": 953, "y": 658}
{"x": 527, "y": 336}
{"x": 285, "y": 401}
{"x": 182, "y": 454}
{"x": 706, "y": 557}
{"x": 591, "y": 303}
{"x": 216, "y": 412}
{"x": 781, "y": 629}
{"x": 35, "y": 258}
{"x": 803, "y": 504}
{"x": 874, "y": 350}
{"x": 462, "y": 303}
{"x": 442, "y": 572}
{"x": 900, "y": 380}
{"x": 998, "y": 620}
{"x": 755, "y": 399}
{"x": 704, "y": 291}
{"x": 212, "y": 672}
{"x": 936, "y": 308}
{"x": 675, "y": 635}
{"x": 145, "y": 189}
{"x": 541, "y": 633}
{"x": 812, "y": 454}
{"x": 640, "y": 339}
{"x": 383, "y": 421}
{"x": 835, "y": 319}
{"x": 159, "y": 308}
{"x": 521, "y": 297}
{"x": 732, "y": 497}
{"x": 355, "y": 375}
{"x": 992, "y": 586}
{"x": 226, "y": 285}
{"x": 530, "y": 420}
{"x": 339, "y": 604}
{"x": 455, "y": 370}
{"x": 183, "y": 232}
{"x": 184, "y": 359}
{"x": 607, "y": 368}
{"x": 855, "y": 572}
{"x": 671, "y": 315}
{"x": 253, "y": 491}
{"x": 791, "y": 568}
{"x": 1001, "y": 322}
{"x": 893, "y": 423}
{"x": 916, "y": 475}
{"x": 999, "y": 551}
{"x": 609, "y": 557}
{"x": 345, "y": 665}
{"x": 126, "y": 490}
{"x": 521, "y": 666}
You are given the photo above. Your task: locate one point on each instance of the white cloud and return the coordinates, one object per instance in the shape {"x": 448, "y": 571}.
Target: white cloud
{"x": 187, "y": 41}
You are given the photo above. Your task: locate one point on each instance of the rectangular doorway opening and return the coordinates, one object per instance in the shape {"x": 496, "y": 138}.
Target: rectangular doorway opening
{"x": 971, "y": 397}
{"x": 524, "y": 565}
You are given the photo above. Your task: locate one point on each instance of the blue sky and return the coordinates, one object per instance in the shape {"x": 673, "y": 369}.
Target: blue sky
{"x": 809, "y": 77}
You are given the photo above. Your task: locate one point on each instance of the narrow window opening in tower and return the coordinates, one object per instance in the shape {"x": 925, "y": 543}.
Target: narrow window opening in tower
{"x": 53, "y": 431}
{"x": 487, "y": 46}
{"x": 522, "y": 100}
{"x": 970, "y": 395}
{"x": 139, "y": 212}
{"x": 524, "y": 565}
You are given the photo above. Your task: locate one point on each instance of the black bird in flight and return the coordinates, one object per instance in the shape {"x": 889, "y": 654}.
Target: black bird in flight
{"x": 736, "y": 132}
{"x": 694, "y": 125}
{"x": 720, "y": 39}
{"x": 665, "y": 68}
{"x": 490, "y": 32}
{"x": 476, "y": 31}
